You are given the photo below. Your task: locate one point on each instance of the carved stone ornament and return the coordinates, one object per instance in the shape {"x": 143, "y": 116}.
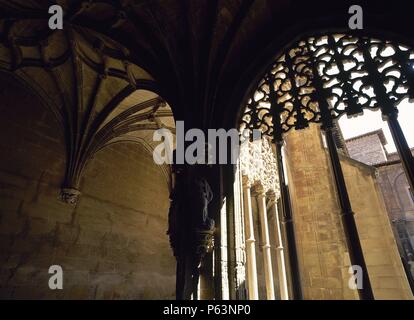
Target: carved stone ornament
{"x": 205, "y": 241}
{"x": 201, "y": 195}
{"x": 258, "y": 165}
{"x": 70, "y": 195}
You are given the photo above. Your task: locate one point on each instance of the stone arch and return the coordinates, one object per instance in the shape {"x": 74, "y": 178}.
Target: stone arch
{"x": 298, "y": 90}
{"x": 101, "y": 101}
{"x": 113, "y": 242}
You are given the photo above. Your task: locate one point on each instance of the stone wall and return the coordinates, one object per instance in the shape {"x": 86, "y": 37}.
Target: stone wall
{"x": 323, "y": 256}
{"x": 368, "y": 148}
{"x": 396, "y": 192}
{"x": 386, "y": 271}
{"x": 395, "y": 189}
{"x": 400, "y": 207}
{"x": 111, "y": 245}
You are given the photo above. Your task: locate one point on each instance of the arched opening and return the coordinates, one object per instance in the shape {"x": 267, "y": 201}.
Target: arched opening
{"x": 328, "y": 226}
{"x": 112, "y": 243}
{"x": 109, "y": 77}
{"x": 81, "y": 189}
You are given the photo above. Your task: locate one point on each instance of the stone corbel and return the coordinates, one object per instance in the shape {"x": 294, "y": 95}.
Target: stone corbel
{"x": 70, "y": 195}
{"x": 69, "y": 192}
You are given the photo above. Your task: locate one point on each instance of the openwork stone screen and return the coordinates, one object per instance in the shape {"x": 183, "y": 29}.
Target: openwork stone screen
{"x": 323, "y": 77}
{"x": 317, "y": 80}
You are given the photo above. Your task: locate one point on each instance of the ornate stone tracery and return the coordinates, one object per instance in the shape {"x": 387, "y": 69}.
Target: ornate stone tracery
{"x": 349, "y": 72}
{"x": 258, "y": 164}
{"x": 260, "y": 173}
{"x": 316, "y": 80}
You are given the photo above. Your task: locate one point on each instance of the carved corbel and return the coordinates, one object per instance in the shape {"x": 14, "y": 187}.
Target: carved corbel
{"x": 70, "y": 195}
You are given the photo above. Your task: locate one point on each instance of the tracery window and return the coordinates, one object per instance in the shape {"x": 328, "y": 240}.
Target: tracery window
{"x": 327, "y": 76}
{"x": 317, "y": 80}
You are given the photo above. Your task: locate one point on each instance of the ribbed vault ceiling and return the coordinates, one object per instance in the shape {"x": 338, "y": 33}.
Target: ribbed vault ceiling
{"x": 205, "y": 53}
{"x": 200, "y": 56}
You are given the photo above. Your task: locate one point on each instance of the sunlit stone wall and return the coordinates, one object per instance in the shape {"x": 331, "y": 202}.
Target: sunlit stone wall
{"x": 320, "y": 237}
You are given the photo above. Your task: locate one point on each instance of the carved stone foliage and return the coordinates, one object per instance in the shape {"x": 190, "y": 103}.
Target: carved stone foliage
{"x": 320, "y": 78}
{"x": 98, "y": 96}
{"x": 258, "y": 164}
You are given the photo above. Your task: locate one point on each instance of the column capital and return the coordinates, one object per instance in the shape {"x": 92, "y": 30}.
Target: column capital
{"x": 246, "y": 182}
{"x": 258, "y": 190}
{"x": 271, "y": 195}
{"x": 70, "y": 195}
{"x": 272, "y": 202}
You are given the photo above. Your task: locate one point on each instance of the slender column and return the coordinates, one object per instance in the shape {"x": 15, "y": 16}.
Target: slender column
{"x": 225, "y": 290}
{"x": 388, "y": 109}
{"x": 402, "y": 146}
{"x": 348, "y": 221}
{"x": 351, "y": 232}
{"x": 284, "y": 194}
{"x": 206, "y": 279}
{"x": 250, "y": 242}
{"x": 230, "y": 235}
{"x": 280, "y": 255}
{"x": 240, "y": 254}
{"x": 288, "y": 224}
{"x": 267, "y": 255}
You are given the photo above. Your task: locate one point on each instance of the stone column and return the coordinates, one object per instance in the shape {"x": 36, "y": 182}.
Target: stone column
{"x": 240, "y": 253}
{"x": 281, "y": 267}
{"x": 267, "y": 255}
{"x": 191, "y": 231}
{"x": 250, "y": 242}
